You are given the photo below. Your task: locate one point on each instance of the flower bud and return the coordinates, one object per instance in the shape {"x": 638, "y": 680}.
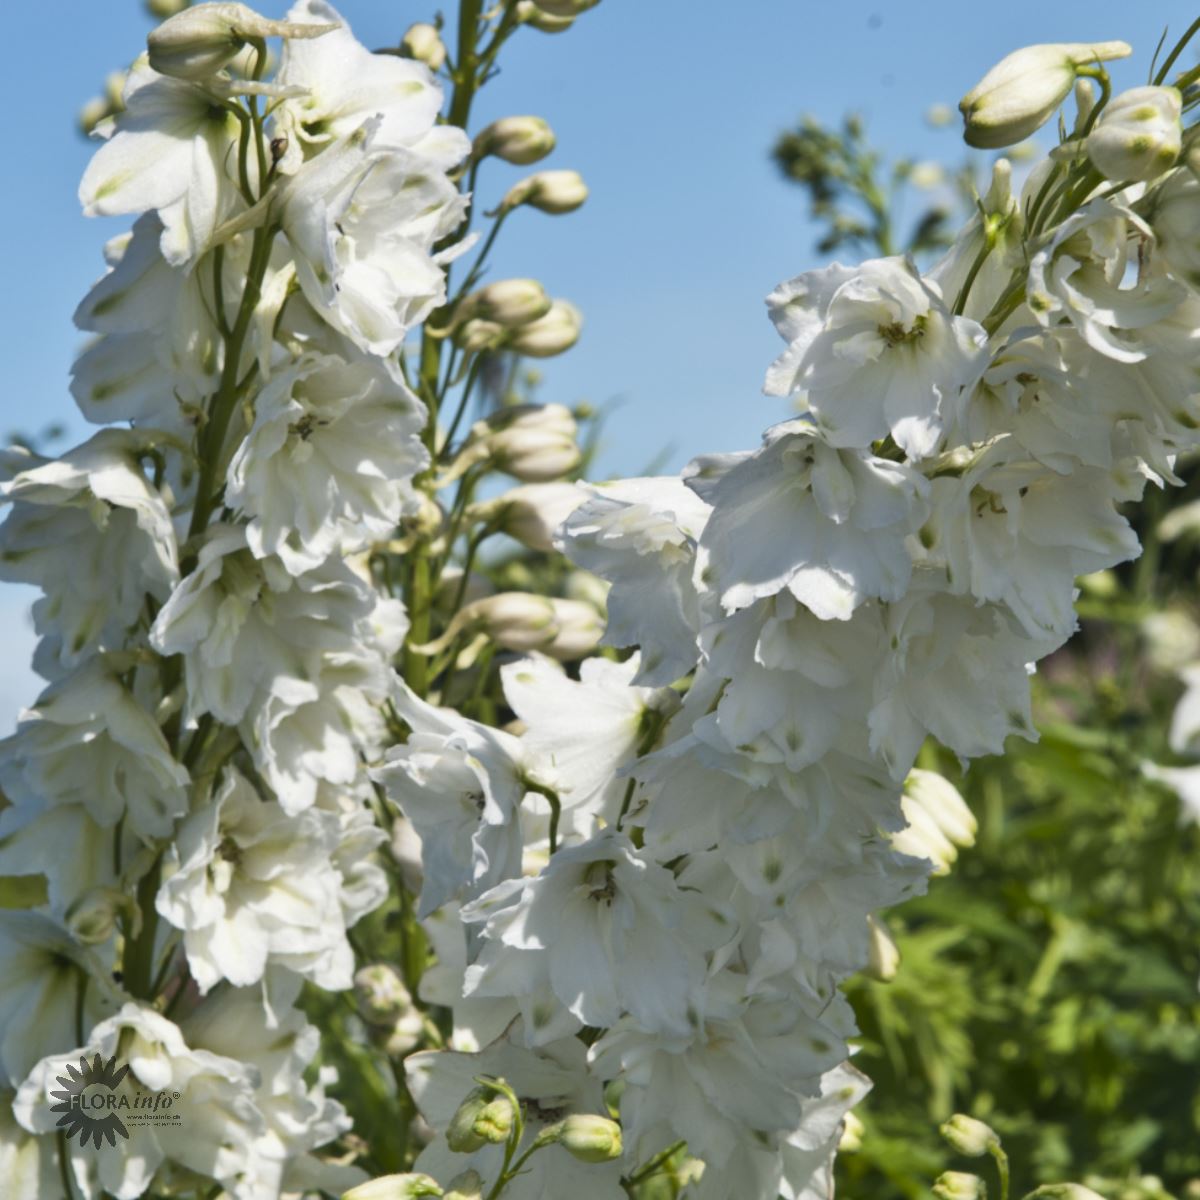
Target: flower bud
{"x": 1176, "y": 222}
{"x": 423, "y": 42}
{"x": 578, "y": 630}
{"x": 535, "y": 444}
{"x": 477, "y": 335}
{"x": 92, "y": 918}
{"x": 483, "y": 1117}
{"x": 517, "y": 140}
{"x": 520, "y": 621}
{"x": 467, "y": 1186}
{"x": 588, "y": 588}
{"x": 554, "y": 333}
{"x": 1063, "y": 1191}
{"x": 395, "y": 1187}
{"x": 883, "y": 956}
{"x": 1018, "y": 95}
{"x": 199, "y": 41}
{"x": 532, "y": 14}
{"x": 381, "y": 994}
{"x": 93, "y": 112}
{"x": 941, "y": 800}
{"x": 959, "y": 1185}
{"x": 566, "y": 8}
{"x": 587, "y": 1137}
{"x": 554, "y": 192}
{"x": 852, "y": 1134}
{"x": 507, "y": 302}
{"x": 161, "y": 9}
{"x": 531, "y": 513}
{"x": 1139, "y": 135}
{"x": 969, "y": 1136}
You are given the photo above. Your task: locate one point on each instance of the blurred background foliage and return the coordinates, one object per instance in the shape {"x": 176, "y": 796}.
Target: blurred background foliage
{"x": 1048, "y": 984}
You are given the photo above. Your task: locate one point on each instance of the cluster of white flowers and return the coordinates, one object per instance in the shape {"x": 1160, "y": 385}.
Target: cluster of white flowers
{"x": 192, "y": 782}
{"x": 643, "y": 892}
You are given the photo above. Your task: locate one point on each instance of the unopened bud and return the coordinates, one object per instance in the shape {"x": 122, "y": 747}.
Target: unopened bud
{"x": 883, "y": 956}
{"x": 533, "y": 15}
{"x": 395, "y": 1187}
{"x": 467, "y": 1186}
{"x": 852, "y": 1134}
{"x": 114, "y": 90}
{"x": 959, "y": 1185}
{"x": 1019, "y": 94}
{"x": 536, "y": 444}
{"x": 554, "y": 192}
{"x": 93, "y": 917}
{"x": 507, "y": 302}
{"x": 381, "y": 994}
{"x": 482, "y": 1118}
{"x": 969, "y": 1136}
{"x": 531, "y": 513}
{"x": 520, "y": 621}
{"x": 423, "y": 42}
{"x": 517, "y": 140}
{"x": 554, "y": 333}
{"x": 1063, "y": 1191}
{"x": 477, "y": 335}
{"x": 588, "y": 588}
{"x": 1139, "y": 135}
{"x": 578, "y": 630}
{"x": 199, "y": 41}
{"x": 589, "y": 1138}
{"x": 161, "y": 9}
{"x": 945, "y": 806}
{"x": 93, "y": 112}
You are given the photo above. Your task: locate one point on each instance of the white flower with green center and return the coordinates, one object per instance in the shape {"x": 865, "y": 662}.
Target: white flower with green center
{"x": 328, "y": 463}
{"x": 874, "y": 351}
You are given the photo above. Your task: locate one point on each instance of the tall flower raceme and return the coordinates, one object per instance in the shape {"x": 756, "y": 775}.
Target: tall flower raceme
{"x": 619, "y": 919}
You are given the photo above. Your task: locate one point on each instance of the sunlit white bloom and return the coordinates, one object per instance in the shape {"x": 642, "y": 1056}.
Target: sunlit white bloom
{"x": 344, "y": 84}
{"x": 169, "y": 150}
{"x": 92, "y": 532}
{"x": 551, "y": 1081}
{"x": 1082, "y": 275}
{"x": 460, "y": 784}
{"x": 87, "y": 741}
{"x": 216, "y": 1093}
{"x": 608, "y": 928}
{"x": 640, "y": 535}
{"x": 244, "y": 625}
{"x": 328, "y": 462}
{"x": 829, "y": 525}
{"x": 873, "y": 350}
{"x": 585, "y": 730}
{"x": 249, "y": 885}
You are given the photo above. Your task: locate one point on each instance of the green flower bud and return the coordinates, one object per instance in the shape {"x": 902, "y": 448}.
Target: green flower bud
{"x": 585, "y": 1136}
{"x": 423, "y": 42}
{"x": 555, "y": 332}
{"x": 1019, "y": 94}
{"x": 395, "y": 1187}
{"x": 958, "y": 1185}
{"x": 1139, "y": 135}
{"x": 516, "y": 140}
{"x": 553, "y": 192}
{"x": 507, "y": 302}
{"x": 381, "y": 994}
{"x": 92, "y": 918}
{"x": 199, "y": 41}
{"x": 533, "y": 15}
{"x": 969, "y": 1136}
{"x": 481, "y": 1118}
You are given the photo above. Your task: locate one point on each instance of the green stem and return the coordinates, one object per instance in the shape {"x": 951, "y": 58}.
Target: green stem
{"x": 656, "y": 1162}
{"x": 139, "y": 956}
{"x": 1001, "y": 1166}
{"x": 1165, "y": 69}
{"x": 961, "y": 303}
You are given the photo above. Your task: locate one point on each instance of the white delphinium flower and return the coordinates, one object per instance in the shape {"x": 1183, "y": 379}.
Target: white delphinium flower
{"x": 873, "y": 350}
{"x": 361, "y": 222}
{"x": 279, "y": 1045}
{"x": 90, "y": 515}
{"x": 247, "y": 626}
{"x": 159, "y": 352}
{"x": 830, "y": 525}
{"x": 170, "y": 150}
{"x": 551, "y": 1081}
{"x": 328, "y": 462}
{"x": 740, "y": 1075}
{"x": 585, "y": 730}
{"x": 460, "y": 784}
{"x": 87, "y": 741}
{"x": 609, "y": 930}
{"x": 250, "y": 885}
{"x": 957, "y": 670}
{"x": 343, "y": 84}
{"x": 216, "y": 1092}
{"x": 1081, "y": 275}
{"x": 45, "y": 974}
{"x": 641, "y": 535}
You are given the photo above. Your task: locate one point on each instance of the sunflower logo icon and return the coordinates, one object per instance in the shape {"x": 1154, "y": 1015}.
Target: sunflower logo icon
{"x": 88, "y": 1101}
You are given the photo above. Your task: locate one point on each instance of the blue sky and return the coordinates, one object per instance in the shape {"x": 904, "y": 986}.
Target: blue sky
{"x": 667, "y": 107}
